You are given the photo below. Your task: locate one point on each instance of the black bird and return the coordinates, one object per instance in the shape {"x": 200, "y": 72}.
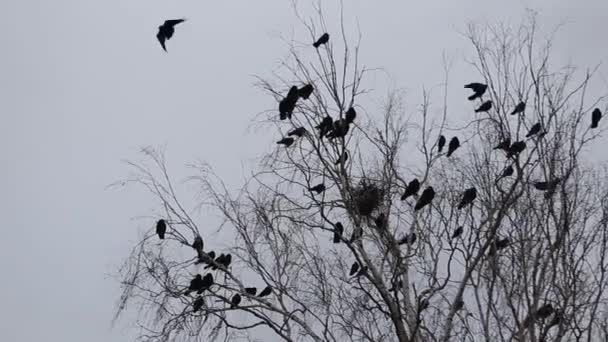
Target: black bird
{"x": 486, "y": 106}
{"x": 468, "y": 197}
{"x": 519, "y": 108}
{"x": 196, "y": 284}
{"x": 266, "y": 291}
{"x": 343, "y": 158}
{"x": 206, "y": 258}
{"x": 458, "y": 232}
{"x": 322, "y": 40}
{"x": 478, "y": 89}
{"x": 338, "y": 231}
{"x": 297, "y": 132}
{"x": 305, "y": 91}
{"x": 596, "y": 116}
{"x": 427, "y": 197}
{"x": 211, "y": 255}
{"x": 319, "y": 188}
{"x": 547, "y": 186}
{"x": 502, "y": 243}
{"x": 353, "y": 269}
{"x": 235, "y": 301}
{"x": 458, "y": 305}
{"x": 198, "y": 246}
{"x": 508, "y": 172}
{"x": 534, "y": 129}
{"x": 409, "y": 239}
{"x": 503, "y": 145}
{"x": 453, "y": 146}
{"x": 350, "y": 115}
{"x": 288, "y": 104}
{"x": 340, "y": 129}
{"x": 516, "y": 148}
{"x": 161, "y": 229}
{"x": 412, "y": 189}
{"x": 206, "y": 282}
{"x": 197, "y": 304}
{"x": 380, "y": 221}
{"x": 440, "y": 143}
{"x": 286, "y": 141}
{"x": 325, "y": 126}
{"x": 544, "y": 311}
{"x": 224, "y": 260}
{"x": 166, "y": 30}
{"x": 251, "y": 291}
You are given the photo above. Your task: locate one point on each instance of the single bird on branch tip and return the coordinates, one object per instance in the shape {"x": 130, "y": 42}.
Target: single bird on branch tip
{"x": 426, "y": 198}
{"x": 322, "y": 40}
{"x": 305, "y": 92}
{"x": 596, "y": 116}
{"x": 350, "y": 115}
{"x": 516, "y": 148}
{"x": 453, "y": 146}
{"x": 338, "y": 231}
{"x": 195, "y": 284}
{"x": 412, "y": 189}
{"x": 468, "y": 197}
{"x": 298, "y": 132}
{"x": 197, "y": 304}
{"x": 519, "y": 108}
{"x": 503, "y": 145}
{"x": 251, "y": 291}
{"x": 457, "y": 232}
{"x": 288, "y": 104}
{"x": 325, "y": 126}
{"x": 166, "y": 30}
{"x": 535, "y": 129}
{"x": 353, "y": 269}
{"x": 441, "y": 143}
{"x": 507, "y": 172}
{"x": 286, "y": 141}
{"x": 319, "y": 188}
{"x": 198, "y": 246}
{"x": 478, "y": 90}
{"x": 544, "y": 311}
{"x": 486, "y": 106}
{"x": 161, "y": 228}
{"x": 235, "y": 301}
{"x": 266, "y": 291}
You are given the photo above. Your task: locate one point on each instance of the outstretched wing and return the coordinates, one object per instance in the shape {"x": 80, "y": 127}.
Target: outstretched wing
{"x": 173, "y": 22}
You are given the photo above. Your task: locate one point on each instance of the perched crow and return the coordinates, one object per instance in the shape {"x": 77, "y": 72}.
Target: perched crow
{"x": 251, "y": 291}
{"x": 427, "y": 197}
{"x": 211, "y": 255}
{"x": 423, "y": 304}
{"x": 161, "y": 229}
{"x": 502, "y": 243}
{"x": 544, "y": 311}
{"x": 288, "y": 104}
{"x": 534, "y": 129}
{"x": 319, "y": 188}
{"x": 224, "y": 260}
{"x": 478, "y": 89}
{"x": 220, "y": 258}
{"x": 409, "y": 239}
{"x": 486, "y": 106}
{"x": 468, "y": 197}
{"x": 305, "y": 91}
{"x": 338, "y": 231}
{"x": 380, "y": 221}
{"x": 547, "y": 186}
{"x": 286, "y": 141}
{"x": 196, "y": 284}
{"x": 453, "y": 146}
{"x": 519, "y": 108}
{"x": 343, "y": 158}
{"x": 350, "y": 115}
{"x": 353, "y": 269}
{"x": 266, "y": 291}
{"x": 340, "y": 129}
{"x": 507, "y": 172}
{"x": 596, "y": 116}
{"x": 206, "y": 258}
{"x": 457, "y": 232}
{"x": 297, "y": 132}
{"x": 197, "y": 304}
{"x": 516, "y": 148}
{"x": 235, "y": 301}
{"x": 198, "y": 246}
{"x": 322, "y": 40}
{"x": 458, "y": 305}
{"x": 412, "y": 189}
{"x": 440, "y": 143}
{"x": 325, "y": 126}
{"x": 166, "y": 30}
{"x": 206, "y": 282}
{"x": 503, "y": 145}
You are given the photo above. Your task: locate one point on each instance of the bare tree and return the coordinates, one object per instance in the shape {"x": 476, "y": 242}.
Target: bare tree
{"x": 323, "y": 223}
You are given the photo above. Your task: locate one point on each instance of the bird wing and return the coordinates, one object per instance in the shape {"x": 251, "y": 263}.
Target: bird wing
{"x": 161, "y": 40}
{"x": 173, "y": 22}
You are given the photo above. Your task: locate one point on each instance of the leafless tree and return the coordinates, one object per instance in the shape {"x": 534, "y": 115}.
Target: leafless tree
{"x": 527, "y": 264}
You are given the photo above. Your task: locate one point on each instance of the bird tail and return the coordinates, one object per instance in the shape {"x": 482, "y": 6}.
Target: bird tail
{"x": 594, "y": 125}
{"x": 316, "y": 44}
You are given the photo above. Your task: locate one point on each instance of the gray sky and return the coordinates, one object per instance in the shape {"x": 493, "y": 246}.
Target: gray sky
{"x": 84, "y": 84}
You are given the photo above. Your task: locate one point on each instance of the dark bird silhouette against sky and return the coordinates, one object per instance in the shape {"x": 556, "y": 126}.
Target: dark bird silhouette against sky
{"x": 298, "y": 132}
{"x": 235, "y": 301}
{"x": 322, "y": 40}
{"x": 197, "y": 304}
{"x": 338, "y": 231}
{"x": 534, "y": 129}
{"x": 325, "y": 126}
{"x": 305, "y": 91}
{"x": 350, "y": 115}
{"x": 353, "y": 269}
{"x": 544, "y": 311}
{"x": 319, "y": 188}
{"x": 166, "y": 30}
{"x": 519, "y": 108}
{"x": 426, "y": 198}
{"x": 286, "y": 141}
{"x": 198, "y": 246}
{"x": 507, "y": 172}
{"x": 343, "y": 158}
{"x": 453, "y": 146}
{"x": 340, "y": 129}
{"x": 468, "y": 197}
{"x": 486, "y": 106}
{"x": 457, "y": 232}
{"x": 288, "y": 104}
{"x": 478, "y": 90}
{"x": 161, "y": 229}
{"x": 596, "y": 116}
{"x": 440, "y": 143}
{"x": 516, "y": 148}
{"x": 412, "y": 189}
{"x": 266, "y": 291}
{"x": 503, "y": 243}
{"x": 503, "y": 145}
{"x": 251, "y": 291}
{"x": 548, "y": 185}
{"x": 200, "y": 284}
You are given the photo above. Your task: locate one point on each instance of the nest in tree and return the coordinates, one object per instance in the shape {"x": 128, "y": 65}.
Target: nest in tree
{"x": 367, "y": 197}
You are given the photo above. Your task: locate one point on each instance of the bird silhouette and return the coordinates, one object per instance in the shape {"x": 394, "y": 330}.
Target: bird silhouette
{"x": 440, "y": 143}
{"x": 343, "y": 158}
{"x": 350, "y": 115}
{"x": 161, "y": 229}
{"x": 453, "y": 146}
{"x": 224, "y": 260}
{"x": 486, "y": 106}
{"x": 544, "y": 311}
{"x": 322, "y": 40}
{"x": 468, "y": 197}
{"x": 297, "y": 132}
{"x": 507, "y": 172}
{"x": 197, "y": 304}
{"x": 305, "y": 91}
{"x": 516, "y": 148}
{"x": 286, "y": 141}
{"x": 502, "y": 243}
{"x": 547, "y": 186}
{"x": 266, "y": 291}
{"x": 596, "y": 116}
{"x": 427, "y": 197}
{"x": 235, "y": 301}
{"x": 206, "y": 258}
{"x": 353, "y": 269}
{"x": 319, "y": 188}
{"x": 409, "y": 239}
{"x": 206, "y": 283}
{"x": 478, "y": 90}
{"x": 196, "y": 284}
{"x": 412, "y": 189}
{"x": 380, "y": 221}
{"x": 503, "y": 145}
{"x": 458, "y": 305}
{"x": 288, "y": 104}
{"x": 338, "y": 231}
{"x": 198, "y": 246}
{"x": 458, "y": 232}
{"x": 325, "y": 126}
{"x": 166, "y": 30}
{"x": 519, "y": 108}
{"x": 534, "y": 130}
{"x": 251, "y": 291}
{"x": 340, "y": 129}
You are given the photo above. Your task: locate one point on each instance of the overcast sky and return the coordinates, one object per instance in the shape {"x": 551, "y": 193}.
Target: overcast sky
{"x": 84, "y": 84}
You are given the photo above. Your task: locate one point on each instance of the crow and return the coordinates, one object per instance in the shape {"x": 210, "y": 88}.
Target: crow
{"x": 440, "y": 143}
{"x": 286, "y": 141}
{"x": 544, "y": 311}
{"x": 380, "y": 221}
{"x": 198, "y": 246}
{"x": 596, "y": 116}
{"x": 161, "y": 229}
{"x": 338, "y": 231}
{"x": 516, "y": 148}
{"x": 453, "y": 146}
{"x": 547, "y": 186}
{"x": 197, "y": 304}
{"x": 196, "y": 284}
{"x": 343, "y": 158}
{"x": 468, "y": 197}
{"x": 251, "y": 291}
{"x": 534, "y": 130}
{"x": 288, "y": 104}
{"x": 502, "y": 243}
{"x": 299, "y": 132}
{"x": 507, "y": 172}
{"x": 409, "y": 239}
{"x": 503, "y": 145}
{"x": 325, "y": 126}
{"x": 266, "y": 291}
{"x": 319, "y": 188}
{"x": 486, "y": 106}
{"x": 305, "y": 91}
{"x": 519, "y": 108}
{"x": 457, "y": 232}
{"x": 427, "y": 197}
{"x": 205, "y": 258}
{"x": 412, "y": 189}
{"x": 350, "y": 115}
{"x": 166, "y": 30}
{"x": 478, "y": 89}
{"x": 235, "y": 301}
{"x": 322, "y": 40}
{"x": 224, "y": 260}
{"x": 340, "y": 129}
{"x": 353, "y": 269}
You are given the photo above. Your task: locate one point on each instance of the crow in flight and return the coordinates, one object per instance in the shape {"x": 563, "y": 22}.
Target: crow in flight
{"x": 478, "y": 89}
{"x": 440, "y": 143}
{"x": 503, "y": 145}
{"x": 486, "y": 106}
{"x": 319, "y": 188}
{"x": 286, "y": 141}
{"x": 502, "y": 243}
{"x": 322, "y": 40}
{"x": 412, "y": 189}
{"x": 534, "y": 130}
{"x": 457, "y": 232}
{"x": 197, "y": 304}
{"x": 288, "y": 104}
{"x": 166, "y": 30}
{"x": 516, "y": 148}
{"x": 519, "y": 108}
{"x": 305, "y": 91}
{"x": 453, "y": 146}
{"x": 339, "y": 130}
{"x": 350, "y": 115}
{"x": 235, "y": 301}
{"x": 427, "y": 197}
{"x": 298, "y": 132}
{"x": 468, "y": 197}
{"x": 596, "y": 116}
{"x": 353, "y": 269}
{"x": 266, "y": 291}
{"x": 338, "y": 231}
{"x": 325, "y": 126}
{"x": 251, "y": 291}
{"x": 161, "y": 229}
